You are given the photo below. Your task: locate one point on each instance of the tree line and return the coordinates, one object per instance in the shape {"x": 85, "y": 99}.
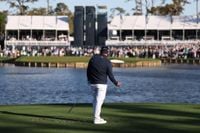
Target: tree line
{"x": 176, "y": 7}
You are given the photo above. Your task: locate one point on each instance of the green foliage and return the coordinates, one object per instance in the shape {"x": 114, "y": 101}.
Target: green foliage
{"x": 2, "y": 21}
{"x": 5, "y": 59}
{"x": 117, "y": 11}
{"x": 53, "y": 59}
{"x": 2, "y": 59}
{"x": 20, "y": 5}
{"x": 173, "y": 9}
{"x": 37, "y": 11}
{"x": 62, "y": 9}
{"x": 65, "y": 59}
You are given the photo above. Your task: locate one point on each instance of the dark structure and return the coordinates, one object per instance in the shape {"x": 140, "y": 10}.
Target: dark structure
{"x": 101, "y": 29}
{"x": 90, "y": 26}
{"x": 79, "y": 26}
{"x": 86, "y": 32}
{"x": 2, "y": 38}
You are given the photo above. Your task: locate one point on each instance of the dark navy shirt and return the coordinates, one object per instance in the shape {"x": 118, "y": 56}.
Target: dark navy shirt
{"x": 99, "y": 68}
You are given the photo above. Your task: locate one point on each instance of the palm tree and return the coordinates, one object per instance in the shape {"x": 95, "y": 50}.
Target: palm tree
{"x": 139, "y": 5}
{"x": 175, "y": 8}
{"x": 47, "y": 7}
{"x": 197, "y": 10}
{"x": 117, "y": 11}
{"x": 19, "y": 4}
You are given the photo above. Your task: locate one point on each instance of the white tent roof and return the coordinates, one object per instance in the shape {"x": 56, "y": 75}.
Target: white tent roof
{"x": 153, "y": 23}
{"x": 37, "y": 22}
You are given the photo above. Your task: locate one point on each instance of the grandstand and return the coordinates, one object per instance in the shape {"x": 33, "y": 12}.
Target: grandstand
{"x": 37, "y": 31}
{"x": 153, "y": 30}
{"x": 122, "y": 30}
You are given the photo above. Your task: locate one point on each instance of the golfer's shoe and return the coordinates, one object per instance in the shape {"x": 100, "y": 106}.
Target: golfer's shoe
{"x": 100, "y": 121}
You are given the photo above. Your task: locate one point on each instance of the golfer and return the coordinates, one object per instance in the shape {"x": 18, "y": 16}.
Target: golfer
{"x": 99, "y": 68}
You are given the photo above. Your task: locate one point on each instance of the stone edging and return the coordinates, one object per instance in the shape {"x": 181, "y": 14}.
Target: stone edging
{"x": 84, "y": 65}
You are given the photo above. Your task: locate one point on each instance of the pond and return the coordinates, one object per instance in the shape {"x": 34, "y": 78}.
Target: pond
{"x": 165, "y": 84}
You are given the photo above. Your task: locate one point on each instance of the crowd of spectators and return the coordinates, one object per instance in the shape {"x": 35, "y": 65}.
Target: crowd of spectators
{"x": 159, "y": 51}
{"x": 61, "y": 37}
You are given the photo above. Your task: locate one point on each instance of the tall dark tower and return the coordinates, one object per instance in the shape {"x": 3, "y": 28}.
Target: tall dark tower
{"x": 102, "y": 28}
{"x": 90, "y": 26}
{"x": 79, "y": 26}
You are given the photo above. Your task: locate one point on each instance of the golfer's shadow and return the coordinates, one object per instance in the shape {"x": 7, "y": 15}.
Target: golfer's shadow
{"x": 46, "y": 116}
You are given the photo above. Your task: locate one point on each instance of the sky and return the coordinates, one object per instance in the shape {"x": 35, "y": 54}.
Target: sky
{"x": 190, "y": 9}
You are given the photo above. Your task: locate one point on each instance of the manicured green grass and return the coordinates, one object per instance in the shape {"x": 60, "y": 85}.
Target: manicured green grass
{"x": 2, "y": 59}
{"x": 122, "y": 118}
{"x": 64, "y": 59}
{"x": 52, "y": 59}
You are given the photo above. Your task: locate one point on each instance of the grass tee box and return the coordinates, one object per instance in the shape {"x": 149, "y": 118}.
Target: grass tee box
{"x": 122, "y": 118}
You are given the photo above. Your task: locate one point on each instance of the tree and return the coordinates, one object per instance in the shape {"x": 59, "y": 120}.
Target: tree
{"x": 140, "y": 3}
{"x": 117, "y": 11}
{"x": 37, "y": 11}
{"x": 175, "y": 8}
{"x": 62, "y": 9}
{"x": 2, "y": 21}
{"x": 21, "y": 5}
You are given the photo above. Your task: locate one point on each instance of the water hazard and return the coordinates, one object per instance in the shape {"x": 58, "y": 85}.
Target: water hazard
{"x": 166, "y": 84}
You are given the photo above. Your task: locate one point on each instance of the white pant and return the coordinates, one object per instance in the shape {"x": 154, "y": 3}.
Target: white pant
{"x": 99, "y": 94}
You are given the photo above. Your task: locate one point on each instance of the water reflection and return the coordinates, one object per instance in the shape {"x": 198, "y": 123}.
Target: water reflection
{"x": 168, "y": 84}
